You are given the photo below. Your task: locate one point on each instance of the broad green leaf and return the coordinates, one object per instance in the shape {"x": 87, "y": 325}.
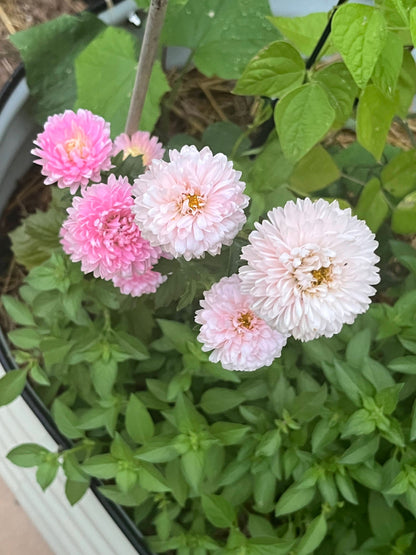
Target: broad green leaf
{"x": 219, "y": 399}
{"x": 340, "y": 88}
{"x": 215, "y": 30}
{"x": 66, "y": 420}
{"x": 264, "y": 491}
{"x": 413, "y": 24}
{"x": 406, "y": 84}
{"x": 101, "y": 466}
{"x": 49, "y": 51}
{"x": 398, "y": 176}
{"x": 133, "y": 498}
{"x": 404, "y": 215}
{"x": 113, "y": 52}
{"x": 193, "y": 467}
{"x": 314, "y": 171}
{"x": 74, "y": 491}
{"x": 359, "y": 33}
{"x": 268, "y": 546}
{"x": 131, "y": 345}
{"x": 27, "y": 455}
{"x": 11, "y": 386}
{"x": 387, "y": 69}
{"x": 269, "y": 443}
{"x": 328, "y": 489}
{"x": 25, "y": 338}
{"x": 359, "y": 423}
{"x": 388, "y": 398}
{"x": 303, "y": 117}
{"x": 294, "y": 499}
{"x": 159, "y": 449}
{"x": 218, "y": 511}
{"x": 274, "y": 71}
{"x": 385, "y": 520}
{"x": 126, "y": 479}
{"x": 18, "y": 311}
{"x": 187, "y": 418}
{"x": 304, "y": 32}
{"x": 346, "y": 488}
{"x": 358, "y": 348}
{"x": 413, "y": 425}
{"x": 179, "y": 334}
{"x": 372, "y": 205}
{"x": 46, "y": 472}
{"x": 103, "y": 376}
{"x": 139, "y": 423}
{"x": 374, "y": 114}
{"x": 315, "y": 533}
{"x": 221, "y": 136}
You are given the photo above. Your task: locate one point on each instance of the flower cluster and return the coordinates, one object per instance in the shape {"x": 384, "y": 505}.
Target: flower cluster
{"x": 310, "y": 266}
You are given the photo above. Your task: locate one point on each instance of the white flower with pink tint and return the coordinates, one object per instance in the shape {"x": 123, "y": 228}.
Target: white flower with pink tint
{"x": 139, "y": 284}
{"x": 238, "y": 339}
{"x": 139, "y": 144}
{"x": 191, "y": 205}
{"x": 73, "y": 149}
{"x": 310, "y": 268}
{"x": 101, "y": 233}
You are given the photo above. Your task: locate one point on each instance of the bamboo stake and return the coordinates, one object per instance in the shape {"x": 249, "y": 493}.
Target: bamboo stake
{"x": 148, "y": 53}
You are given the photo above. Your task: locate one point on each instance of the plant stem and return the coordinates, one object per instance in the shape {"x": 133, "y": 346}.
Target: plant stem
{"x": 148, "y": 52}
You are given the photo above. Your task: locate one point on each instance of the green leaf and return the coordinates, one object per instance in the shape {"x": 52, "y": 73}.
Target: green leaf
{"x": 314, "y": 536}
{"x": 385, "y": 521}
{"x": 113, "y": 52}
{"x": 139, "y": 423}
{"x": 220, "y": 399}
{"x": 372, "y": 205}
{"x": 159, "y": 449}
{"x": 413, "y": 24}
{"x": 74, "y": 491}
{"x": 187, "y": 418}
{"x": 66, "y": 420}
{"x": 11, "y": 386}
{"x": 25, "y": 338}
{"x": 131, "y": 345}
{"x": 17, "y": 311}
{"x": 404, "y": 215}
{"x": 359, "y": 33}
{"x": 264, "y": 491}
{"x": 193, "y": 467}
{"x": 294, "y": 499}
{"x": 374, "y": 114}
{"x": 268, "y": 546}
{"x": 215, "y": 30}
{"x": 126, "y": 479}
{"x": 103, "y": 375}
{"x": 179, "y": 334}
{"x": 303, "y": 117}
{"x": 46, "y": 473}
{"x": 314, "y": 171}
{"x": 304, "y": 32}
{"x": 388, "y": 398}
{"x": 133, "y": 498}
{"x": 341, "y": 90}
{"x": 346, "y": 487}
{"x": 221, "y": 136}
{"x": 413, "y": 424}
{"x": 274, "y": 71}
{"x": 406, "y": 85}
{"x": 229, "y": 433}
{"x": 27, "y": 455}
{"x": 406, "y": 365}
{"x": 218, "y": 511}
{"x": 360, "y": 450}
{"x": 151, "y": 479}
{"x": 49, "y": 51}
{"x": 359, "y": 423}
{"x": 358, "y": 348}
{"x": 387, "y": 69}
{"x": 101, "y": 466}
{"x": 398, "y": 176}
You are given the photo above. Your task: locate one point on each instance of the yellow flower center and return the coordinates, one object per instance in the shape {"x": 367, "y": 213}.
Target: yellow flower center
{"x": 245, "y": 320}
{"x": 194, "y": 202}
{"x": 76, "y": 143}
{"x": 323, "y": 275}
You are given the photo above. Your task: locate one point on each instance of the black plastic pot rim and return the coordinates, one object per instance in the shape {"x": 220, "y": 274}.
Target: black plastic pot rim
{"x": 117, "y": 513}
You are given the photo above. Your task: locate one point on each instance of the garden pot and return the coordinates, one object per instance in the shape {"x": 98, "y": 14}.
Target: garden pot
{"x": 95, "y": 525}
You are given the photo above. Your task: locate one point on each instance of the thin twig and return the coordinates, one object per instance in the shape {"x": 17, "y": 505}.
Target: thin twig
{"x": 6, "y": 21}
{"x": 148, "y": 52}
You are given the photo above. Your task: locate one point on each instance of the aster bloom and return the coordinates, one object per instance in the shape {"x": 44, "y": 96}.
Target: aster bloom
{"x": 139, "y": 284}
{"x": 239, "y": 339}
{"x": 310, "y": 268}
{"x": 73, "y": 149}
{"x": 100, "y": 231}
{"x": 192, "y": 204}
{"x": 140, "y": 144}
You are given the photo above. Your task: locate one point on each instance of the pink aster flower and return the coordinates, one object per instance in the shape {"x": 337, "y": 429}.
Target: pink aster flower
{"x": 192, "y": 204}
{"x": 139, "y": 284}
{"x": 310, "y": 268}
{"x": 73, "y": 149}
{"x": 100, "y": 231}
{"x": 238, "y": 339}
{"x": 140, "y": 144}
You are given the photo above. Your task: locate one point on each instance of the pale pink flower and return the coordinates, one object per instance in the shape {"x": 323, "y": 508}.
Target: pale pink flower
{"x": 73, "y": 149}
{"x": 310, "y": 268}
{"x": 100, "y": 231}
{"x": 192, "y": 204}
{"x": 238, "y": 339}
{"x": 140, "y": 144}
{"x": 139, "y": 284}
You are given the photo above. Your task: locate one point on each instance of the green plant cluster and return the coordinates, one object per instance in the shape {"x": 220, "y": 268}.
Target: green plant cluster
{"x": 313, "y": 453}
